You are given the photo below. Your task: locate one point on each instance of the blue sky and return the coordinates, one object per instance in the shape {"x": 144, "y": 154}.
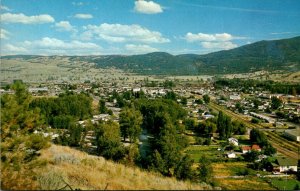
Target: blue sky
{"x": 99, "y": 27}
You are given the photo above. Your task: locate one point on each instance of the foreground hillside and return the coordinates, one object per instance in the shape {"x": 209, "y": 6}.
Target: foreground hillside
{"x": 83, "y": 171}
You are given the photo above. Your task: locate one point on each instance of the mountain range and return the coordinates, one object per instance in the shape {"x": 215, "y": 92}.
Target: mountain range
{"x": 265, "y": 55}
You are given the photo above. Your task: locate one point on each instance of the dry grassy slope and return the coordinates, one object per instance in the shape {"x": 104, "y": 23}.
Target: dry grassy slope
{"x": 84, "y": 171}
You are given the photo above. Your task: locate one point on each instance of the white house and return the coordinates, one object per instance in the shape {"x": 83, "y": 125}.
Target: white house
{"x": 286, "y": 165}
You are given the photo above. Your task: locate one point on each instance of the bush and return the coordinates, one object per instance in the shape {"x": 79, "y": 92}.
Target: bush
{"x": 51, "y": 180}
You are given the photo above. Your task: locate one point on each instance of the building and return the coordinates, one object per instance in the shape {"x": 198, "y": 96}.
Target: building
{"x": 246, "y": 149}
{"x": 293, "y": 134}
{"x": 260, "y": 116}
{"x": 284, "y": 164}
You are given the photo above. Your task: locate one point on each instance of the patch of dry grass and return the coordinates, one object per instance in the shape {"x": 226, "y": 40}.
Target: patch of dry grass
{"x": 96, "y": 173}
{"x": 244, "y": 184}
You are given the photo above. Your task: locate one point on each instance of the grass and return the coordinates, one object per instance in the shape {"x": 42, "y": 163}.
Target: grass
{"x": 210, "y": 152}
{"x": 96, "y": 173}
{"x": 244, "y": 184}
{"x": 228, "y": 168}
{"x": 283, "y": 184}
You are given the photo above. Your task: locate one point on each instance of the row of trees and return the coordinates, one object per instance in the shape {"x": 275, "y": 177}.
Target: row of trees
{"x": 62, "y": 111}
{"x": 273, "y": 87}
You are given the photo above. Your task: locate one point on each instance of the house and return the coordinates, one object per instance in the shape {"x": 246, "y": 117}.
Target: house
{"x": 293, "y": 134}
{"x": 284, "y": 164}
{"x": 256, "y": 148}
{"x": 233, "y": 141}
{"x": 246, "y": 149}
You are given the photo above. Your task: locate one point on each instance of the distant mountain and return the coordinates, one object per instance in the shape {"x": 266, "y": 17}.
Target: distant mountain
{"x": 263, "y": 55}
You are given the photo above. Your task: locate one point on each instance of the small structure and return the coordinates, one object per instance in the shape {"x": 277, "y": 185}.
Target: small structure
{"x": 246, "y": 149}
{"x": 284, "y": 164}
{"x": 293, "y": 134}
{"x": 231, "y": 155}
{"x": 256, "y": 148}
{"x": 233, "y": 141}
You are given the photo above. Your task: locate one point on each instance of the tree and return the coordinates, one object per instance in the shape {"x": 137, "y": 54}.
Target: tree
{"x": 108, "y": 141}
{"x": 198, "y": 101}
{"x": 220, "y": 125}
{"x": 75, "y": 135}
{"x": 206, "y": 98}
{"x": 275, "y": 103}
{"x": 184, "y": 170}
{"x": 102, "y": 107}
{"x": 258, "y": 137}
{"x": 269, "y": 149}
{"x": 205, "y": 170}
{"x": 183, "y": 101}
{"x": 130, "y": 124}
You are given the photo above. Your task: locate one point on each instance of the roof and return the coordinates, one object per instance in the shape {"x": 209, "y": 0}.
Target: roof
{"x": 256, "y": 147}
{"x": 246, "y": 148}
{"x": 283, "y": 161}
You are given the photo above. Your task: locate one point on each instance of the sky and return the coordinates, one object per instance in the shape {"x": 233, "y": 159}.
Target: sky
{"x": 105, "y": 27}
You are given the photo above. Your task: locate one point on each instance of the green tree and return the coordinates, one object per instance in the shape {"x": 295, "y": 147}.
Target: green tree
{"x": 183, "y": 101}
{"x": 206, "y": 98}
{"x": 221, "y": 125}
{"x": 184, "y": 170}
{"x": 205, "y": 170}
{"x": 258, "y": 137}
{"x": 108, "y": 141}
{"x": 130, "y": 124}
{"x": 75, "y": 135}
{"x": 275, "y": 103}
{"x": 102, "y": 107}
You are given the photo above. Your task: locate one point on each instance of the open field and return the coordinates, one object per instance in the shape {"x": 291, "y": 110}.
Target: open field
{"x": 210, "y": 152}
{"x": 265, "y": 75}
{"x": 244, "y": 184}
{"x": 62, "y": 69}
{"x": 285, "y": 184}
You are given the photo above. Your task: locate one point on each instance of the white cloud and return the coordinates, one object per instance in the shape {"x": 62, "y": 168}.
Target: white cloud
{"x": 147, "y": 7}
{"x": 9, "y": 49}
{"x": 226, "y": 45}
{"x": 64, "y": 26}
{"x": 213, "y": 41}
{"x": 4, "y": 8}
{"x": 53, "y": 46}
{"x": 139, "y": 49}
{"x": 77, "y": 3}
{"x": 53, "y": 43}
{"x": 4, "y": 34}
{"x": 83, "y": 16}
{"x": 190, "y": 37}
{"x": 21, "y": 18}
{"x": 122, "y": 33}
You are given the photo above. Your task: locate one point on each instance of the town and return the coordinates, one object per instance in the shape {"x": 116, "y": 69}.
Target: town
{"x": 262, "y": 144}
